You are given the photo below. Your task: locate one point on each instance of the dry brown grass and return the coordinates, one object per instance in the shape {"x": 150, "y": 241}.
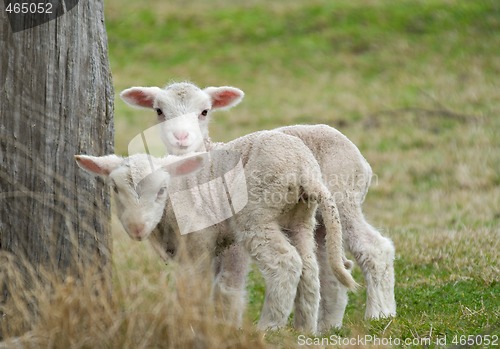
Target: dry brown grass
{"x": 165, "y": 308}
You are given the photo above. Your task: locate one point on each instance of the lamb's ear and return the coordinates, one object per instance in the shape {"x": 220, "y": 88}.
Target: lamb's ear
{"x": 224, "y": 97}
{"x": 140, "y": 96}
{"x": 99, "y": 165}
{"x": 186, "y": 166}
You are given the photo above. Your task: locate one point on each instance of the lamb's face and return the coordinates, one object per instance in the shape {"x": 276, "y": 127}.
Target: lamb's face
{"x": 140, "y": 185}
{"x": 140, "y": 201}
{"x": 183, "y": 113}
{"x": 183, "y": 110}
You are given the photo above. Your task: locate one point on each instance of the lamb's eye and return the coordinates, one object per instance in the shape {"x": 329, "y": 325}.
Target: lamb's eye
{"x": 204, "y": 113}
{"x": 161, "y": 191}
{"x": 115, "y": 188}
{"x": 159, "y": 111}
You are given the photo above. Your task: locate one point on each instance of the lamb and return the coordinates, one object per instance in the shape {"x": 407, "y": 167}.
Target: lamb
{"x": 276, "y": 234}
{"x": 345, "y": 171}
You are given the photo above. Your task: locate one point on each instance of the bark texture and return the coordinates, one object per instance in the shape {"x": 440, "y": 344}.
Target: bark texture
{"x": 56, "y": 100}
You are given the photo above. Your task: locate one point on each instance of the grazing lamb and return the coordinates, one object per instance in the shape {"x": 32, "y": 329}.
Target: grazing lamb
{"x": 287, "y": 200}
{"x": 345, "y": 171}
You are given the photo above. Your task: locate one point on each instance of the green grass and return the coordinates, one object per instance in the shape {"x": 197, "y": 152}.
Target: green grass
{"x": 339, "y": 62}
{"x": 416, "y": 85}
{"x": 413, "y": 83}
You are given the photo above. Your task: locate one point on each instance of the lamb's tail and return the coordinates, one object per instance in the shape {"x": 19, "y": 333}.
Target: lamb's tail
{"x": 334, "y": 246}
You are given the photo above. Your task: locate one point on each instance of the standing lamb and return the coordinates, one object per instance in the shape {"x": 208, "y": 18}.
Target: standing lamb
{"x": 285, "y": 258}
{"x": 345, "y": 171}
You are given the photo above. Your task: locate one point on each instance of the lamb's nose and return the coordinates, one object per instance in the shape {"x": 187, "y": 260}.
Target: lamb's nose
{"x": 136, "y": 230}
{"x": 180, "y": 135}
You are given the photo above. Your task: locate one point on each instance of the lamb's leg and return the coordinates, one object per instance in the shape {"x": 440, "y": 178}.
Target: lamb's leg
{"x": 333, "y": 294}
{"x": 375, "y": 255}
{"x": 301, "y": 232}
{"x": 229, "y": 284}
{"x": 281, "y": 267}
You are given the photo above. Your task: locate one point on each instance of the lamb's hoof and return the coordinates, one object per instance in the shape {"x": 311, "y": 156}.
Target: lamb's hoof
{"x": 325, "y": 328}
{"x": 380, "y": 315}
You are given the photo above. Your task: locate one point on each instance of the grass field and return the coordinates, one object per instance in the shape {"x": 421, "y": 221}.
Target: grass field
{"x": 414, "y": 84}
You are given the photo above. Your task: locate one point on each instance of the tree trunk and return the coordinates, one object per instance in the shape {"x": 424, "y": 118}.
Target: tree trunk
{"x": 56, "y": 100}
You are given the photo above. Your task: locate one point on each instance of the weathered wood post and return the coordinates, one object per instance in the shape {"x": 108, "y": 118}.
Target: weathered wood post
{"x": 56, "y": 100}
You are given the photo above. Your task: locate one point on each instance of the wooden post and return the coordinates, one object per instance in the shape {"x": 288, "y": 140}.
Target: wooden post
{"x": 56, "y": 100}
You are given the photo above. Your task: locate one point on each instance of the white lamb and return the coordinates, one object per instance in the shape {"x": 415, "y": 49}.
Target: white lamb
{"x": 345, "y": 171}
{"x": 276, "y": 234}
